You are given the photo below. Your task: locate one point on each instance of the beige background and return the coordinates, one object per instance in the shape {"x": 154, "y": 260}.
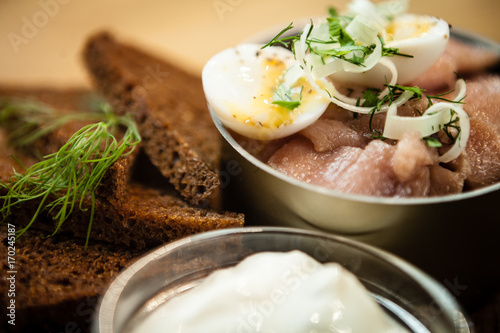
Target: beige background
{"x": 41, "y": 40}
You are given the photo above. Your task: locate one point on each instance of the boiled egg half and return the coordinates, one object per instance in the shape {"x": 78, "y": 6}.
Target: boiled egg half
{"x": 422, "y": 38}
{"x": 260, "y": 93}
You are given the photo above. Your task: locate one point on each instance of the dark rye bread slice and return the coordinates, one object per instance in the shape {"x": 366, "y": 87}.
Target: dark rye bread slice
{"x": 128, "y": 210}
{"x": 58, "y": 280}
{"x": 144, "y": 219}
{"x": 170, "y": 108}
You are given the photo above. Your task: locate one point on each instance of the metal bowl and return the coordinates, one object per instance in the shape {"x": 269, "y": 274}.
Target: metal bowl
{"x": 406, "y": 293}
{"x": 453, "y": 237}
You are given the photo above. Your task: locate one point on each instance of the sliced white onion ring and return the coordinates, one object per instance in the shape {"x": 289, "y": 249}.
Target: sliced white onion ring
{"x": 338, "y": 65}
{"x": 433, "y": 121}
{"x": 360, "y": 31}
{"x": 331, "y": 93}
{"x": 463, "y": 136}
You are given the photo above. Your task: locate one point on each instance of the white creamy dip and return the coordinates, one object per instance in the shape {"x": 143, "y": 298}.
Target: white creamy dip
{"x": 274, "y": 292}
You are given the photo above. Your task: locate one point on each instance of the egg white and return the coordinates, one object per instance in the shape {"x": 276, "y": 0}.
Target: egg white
{"x": 239, "y": 82}
{"x": 423, "y": 37}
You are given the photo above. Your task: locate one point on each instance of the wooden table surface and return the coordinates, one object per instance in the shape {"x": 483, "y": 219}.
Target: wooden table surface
{"x": 41, "y": 40}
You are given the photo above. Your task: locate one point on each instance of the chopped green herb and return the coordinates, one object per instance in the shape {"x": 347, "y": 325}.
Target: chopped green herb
{"x": 452, "y": 124}
{"x": 441, "y": 98}
{"x": 416, "y": 90}
{"x": 283, "y": 97}
{"x": 346, "y": 48}
{"x": 433, "y": 142}
{"x": 332, "y": 11}
{"x": 285, "y": 41}
{"x": 392, "y": 51}
{"x": 370, "y": 97}
{"x": 69, "y": 177}
{"x": 28, "y": 121}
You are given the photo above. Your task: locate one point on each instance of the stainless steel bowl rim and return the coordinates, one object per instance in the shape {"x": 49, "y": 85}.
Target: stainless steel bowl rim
{"x": 349, "y": 196}
{"x": 267, "y": 34}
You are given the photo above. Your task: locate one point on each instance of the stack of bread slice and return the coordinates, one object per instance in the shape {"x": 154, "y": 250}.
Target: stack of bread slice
{"x": 166, "y": 189}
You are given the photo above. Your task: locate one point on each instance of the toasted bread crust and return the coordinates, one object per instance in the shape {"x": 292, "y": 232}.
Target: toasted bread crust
{"x": 145, "y": 219}
{"x": 126, "y": 212}
{"x": 59, "y": 280}
{"x": 170, "y": 109}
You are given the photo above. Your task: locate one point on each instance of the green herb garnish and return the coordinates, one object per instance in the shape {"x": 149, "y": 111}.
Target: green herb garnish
{"x": 452, "y": 124}
{"x": 283, "y": 96}
{"x": 347, "y": 48}
{"x": 372, "y": 99}
{"x": 441, "y": 98}
{"x": 70, "y": 177}
{"x": 392, "y": 51}
{"x": 433, "y": 142}
{"x": 284, "y": 41}
{"x": 28, "y": 120}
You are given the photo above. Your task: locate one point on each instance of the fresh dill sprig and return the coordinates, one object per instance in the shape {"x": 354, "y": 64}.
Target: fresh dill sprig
{"x": 27, "y": 120}
{"x": 441, "y": 98}
{"x": 372, "y": 99}
{"x": 392, "y": 51}
{"x": 433, "y": 142}
{"x": 452, "y": 126}
{"x": 69, "y": 178}
{"x": 346, "y": 48}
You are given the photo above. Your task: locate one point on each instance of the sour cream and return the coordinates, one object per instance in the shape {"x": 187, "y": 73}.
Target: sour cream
{"x": 274, "y": 292}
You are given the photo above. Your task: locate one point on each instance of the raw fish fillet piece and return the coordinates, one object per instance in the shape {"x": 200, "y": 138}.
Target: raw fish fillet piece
{"x": 483, "y": 151}
{"x": 459, "y": 57}
{"x": 471, "y": 58}
{"x": 483, "y": 99}
{"x": 339, "y": 150}
{"x": 262, "y": 150}
{"x": 441, "y": 76}
{"x": 327, "y": 135}
{"x": 380, "y": 169}
{"x": 451, "y": 179}
{"x": 373, "y": 173}
{"x": 299, "y": 160}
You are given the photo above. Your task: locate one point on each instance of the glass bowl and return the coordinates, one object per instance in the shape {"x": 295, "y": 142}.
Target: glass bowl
{"x": 406, "y": 293}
